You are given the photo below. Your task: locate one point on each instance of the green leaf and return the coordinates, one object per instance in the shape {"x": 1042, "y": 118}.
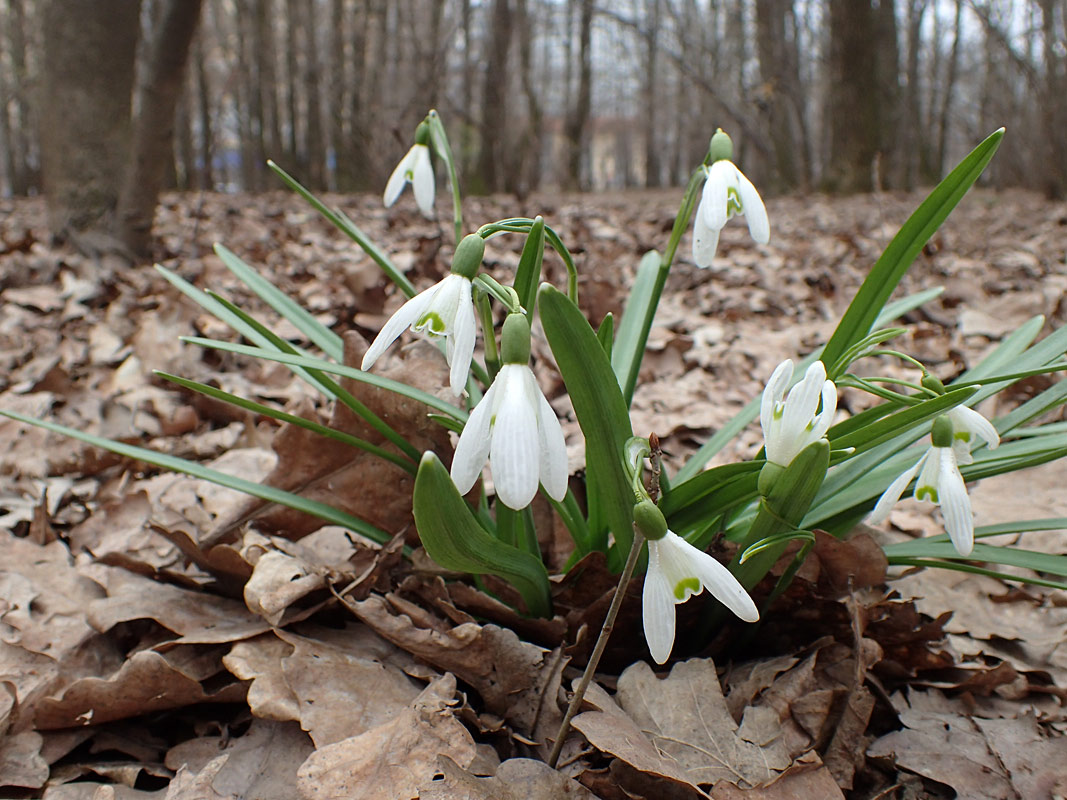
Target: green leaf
{"x": 605, "y": 334}
{"x": 898, "y": 256}
{"x": 349, "y": 229}
{"x": 292, "y": 419}
{"x": 629, "y": 347}
{"x": 601, "y": 412}
{"x": 455, "y": 539}
{"x": 528, "y": 273}
{"x": 890, "y": 427}
{"x": 318, "y": 333}
{"x": 175, "y": 464}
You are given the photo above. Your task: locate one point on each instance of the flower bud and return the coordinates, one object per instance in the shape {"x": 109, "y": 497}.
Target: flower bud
{"x": 932, "y": 383}
{"x": 649, "y": 520}
{"x": 515, "y": 339}
{"x": 468, "y": 256}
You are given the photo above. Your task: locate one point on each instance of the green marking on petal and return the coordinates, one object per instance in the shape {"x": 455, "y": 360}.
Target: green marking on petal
{"x": 963, "y": 436}
{"x": 431, "y": 323}
{"x": 926, "y": 493}
{"x": 733, "y": 202}
{"x": 686, "y": 587}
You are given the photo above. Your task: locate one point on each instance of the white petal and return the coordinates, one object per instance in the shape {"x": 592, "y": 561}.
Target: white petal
{"x": 799, "y": 411}
{"x": 970, "y": 420}
{"x": 398, "y": 179}
{"x": 774, "y": 392}
{"x": 955, "y": 504}
{"x": 462, "y": 339}
{"x": 753, "y": 209}
{"x": 513, "y": 452}
{"x": 404, "y": 317}
{"x": 721, "y": 176}
{"x": 657, "y": 608}
{"x": 893, "y": 492}
{"x": 723, "y": 586}
{"x": 473, "y": 446}
{"x": 825, "y": 417}
{"x": 930, "y": 475}
{"x": 705, "y": 241}
{"x": 553, "y": 450}
{"x": 422, "y": 181}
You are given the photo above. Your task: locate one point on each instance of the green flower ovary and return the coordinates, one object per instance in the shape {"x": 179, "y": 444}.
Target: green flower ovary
{"x": 686, "y": 587}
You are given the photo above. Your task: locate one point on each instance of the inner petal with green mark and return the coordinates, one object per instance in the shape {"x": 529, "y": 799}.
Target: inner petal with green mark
{"x": 733, "y": 202}
{"x": 926, "y": 493}
{"x": 963, "y": 436}
{"x": 431, "y": 323}
{"x": 686, "y": 587}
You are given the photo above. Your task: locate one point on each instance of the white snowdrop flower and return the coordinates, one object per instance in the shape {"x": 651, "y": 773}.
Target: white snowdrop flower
{"x": 677, "y": 571}
{"x": 515, "y": 428}
{"x": 414, "y": 168}
{"x": 726, "y": 192}
{"x": 791, "y": 424}
{"x": 445, "y": 309}
{"x": 939, "y": 479}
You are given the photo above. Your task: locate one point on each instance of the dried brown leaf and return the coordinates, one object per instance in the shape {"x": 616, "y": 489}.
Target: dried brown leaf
{"x": 515, "y": 779}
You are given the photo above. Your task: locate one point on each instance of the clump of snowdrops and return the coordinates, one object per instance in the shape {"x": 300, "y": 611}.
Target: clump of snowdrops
{"x": 819, "y": 469}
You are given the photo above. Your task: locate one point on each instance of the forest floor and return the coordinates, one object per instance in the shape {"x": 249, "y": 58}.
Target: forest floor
{"x": 164, "y": 637}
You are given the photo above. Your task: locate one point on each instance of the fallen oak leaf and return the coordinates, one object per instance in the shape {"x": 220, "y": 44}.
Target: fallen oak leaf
{"x": 515, "y": 779}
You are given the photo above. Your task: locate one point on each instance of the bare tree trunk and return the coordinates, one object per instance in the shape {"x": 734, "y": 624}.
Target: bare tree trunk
{"x": 203, "y": 104}
{"x": 88, "y": 74}
{"x": 650, "y": 93}
{"x": 912, "y": 138}
{"x": 576, "y": 126}
{"x": 246, "y": 100}
{"x": 949, "y": 91}
{"x": 18, "y": 114}
{"x": 862, "y": 92}
{"x": 528, "y": 168}
{"x": 316, "y": 142}
{"x": 495, "y": 117}
{"x": 292, "y": 27}
{"x": 1054, "y": 101}
{"x": 779, "y": 68}
{"x": 153, "y": 130}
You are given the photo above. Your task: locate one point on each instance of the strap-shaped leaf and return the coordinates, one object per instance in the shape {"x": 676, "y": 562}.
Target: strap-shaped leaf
{"x": 899, "y": 255}
{"x": 175, "y": 464}
{"x": 636, "y": 322}
{"x": 601, "y": 412}
{"x": 528, "y": 273}
{"x": 455, "y": 539}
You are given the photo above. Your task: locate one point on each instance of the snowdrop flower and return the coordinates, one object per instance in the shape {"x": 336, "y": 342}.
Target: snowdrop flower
{"x": 516, "y": 428}
{"x": 676, "y": 572}
{"x": 791, "y": 424}
{"x": 445, "y": 309}
{"x": 939, "y": 478}
{"x": 726, "y": 192}
{"x": 414, "y": 168}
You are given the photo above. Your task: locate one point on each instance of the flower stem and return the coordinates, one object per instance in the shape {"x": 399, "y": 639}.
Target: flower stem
{"x": 598, "y": 649}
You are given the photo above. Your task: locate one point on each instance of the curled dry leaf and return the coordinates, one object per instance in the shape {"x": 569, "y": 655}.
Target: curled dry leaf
{"x": 391, "y": 761}
{"x": 516, "y": 679}
{"x": 20, "y": 761}
{"x": 515, "y": 779}
{"x": 278, "y": 580}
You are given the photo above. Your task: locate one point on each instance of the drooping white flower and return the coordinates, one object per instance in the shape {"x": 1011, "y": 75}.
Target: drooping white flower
{"x": 939, "y": 479}
{"x": 676, "y": 571}
{"x": 791, "y": 424}
{"x": 726, "y": 192}
{"x": 516, "y": 428}
{"x": 445, "y": 309}
{"x": 414, "y": 168}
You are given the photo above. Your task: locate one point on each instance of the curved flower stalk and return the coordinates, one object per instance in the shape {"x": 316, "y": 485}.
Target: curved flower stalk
{"x": 414, "y": 168}
{"x": 445, "y": 309}
{"x": 791, "y": 424}
{"x": 677, "y": 571}
{"x": 515, "y": 428}
{"x": 726, "y": 192}
{"x": 939, "y": 478}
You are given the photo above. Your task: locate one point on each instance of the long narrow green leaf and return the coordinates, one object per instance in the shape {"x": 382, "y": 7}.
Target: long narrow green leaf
{"x": 965, "y": 566}
{"x": 528, "y": 273}
{"x": 600, "y": 409}
{"x": 455, "y": 539}
{"x": 175, "y": 464}
{"x": 887, "y": 272}
{"x": 636, "y": 322}
{"x": 334, "y": 369}
{"x": 349, "y": 229}
{"x": 292, "y": 419}
{"x": 892, "y": 426}
{"x": 991, "y": 554}
{"x": 318, "y": 333}
{"x": 240, "y": 321}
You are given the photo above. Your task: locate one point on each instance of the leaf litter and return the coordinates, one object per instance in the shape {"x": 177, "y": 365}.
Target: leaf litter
{"x": 161, "y": 637}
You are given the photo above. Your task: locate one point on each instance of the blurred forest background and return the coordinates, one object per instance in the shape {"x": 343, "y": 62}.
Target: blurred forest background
{"x": 104, "y": 103}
